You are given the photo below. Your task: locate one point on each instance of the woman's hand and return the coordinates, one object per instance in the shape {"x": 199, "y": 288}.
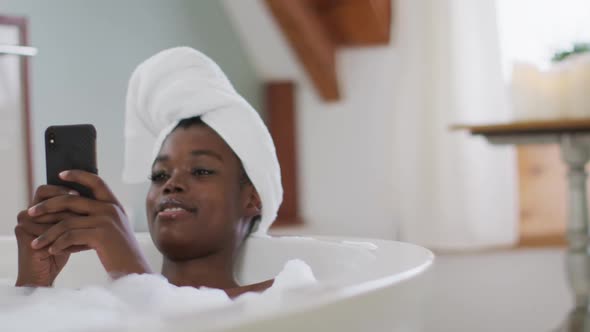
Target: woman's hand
{"x": 36, "y": 267}
{"x": 99, "y": 224}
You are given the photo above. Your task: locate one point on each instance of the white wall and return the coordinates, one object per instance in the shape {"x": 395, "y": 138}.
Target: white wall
{"x": 382, "y": 161}
{"x": 87, "y": 51}
{"x": 345, "y": 160}
{"x": 345, "y": 155}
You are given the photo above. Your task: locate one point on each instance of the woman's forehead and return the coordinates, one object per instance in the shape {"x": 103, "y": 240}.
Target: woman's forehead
{"x": 185, "y": 141}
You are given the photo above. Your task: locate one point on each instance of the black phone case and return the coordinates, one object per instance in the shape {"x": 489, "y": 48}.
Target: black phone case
{"x": 70, "y": 147}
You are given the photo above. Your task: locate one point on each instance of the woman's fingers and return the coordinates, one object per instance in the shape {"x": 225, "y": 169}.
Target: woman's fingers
{"x": 66, "y": 227}
{"x": 74, "y": 204}
{"x": 53, "y": 218}
{"x": 47, "y": 191}
{"x": 75, "y": 248}
{"x": 26, "y": 225}
{"x": 33, "y": 229}
{"x": 39, "y": 225}
{"x": 72, "y": 240}
{"x": 24, "y": 235}
{"x": 92, "y": 181}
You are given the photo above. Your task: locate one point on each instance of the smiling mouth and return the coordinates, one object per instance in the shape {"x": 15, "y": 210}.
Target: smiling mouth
{"x": 173, "y": 209}
{"x": 173, "y": 213}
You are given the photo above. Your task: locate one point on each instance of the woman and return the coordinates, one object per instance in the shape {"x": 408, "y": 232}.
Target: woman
{"x": 214, "y": 174}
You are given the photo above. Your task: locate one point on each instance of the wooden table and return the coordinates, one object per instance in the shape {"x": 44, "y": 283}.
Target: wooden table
{"x": 573, "y": 137}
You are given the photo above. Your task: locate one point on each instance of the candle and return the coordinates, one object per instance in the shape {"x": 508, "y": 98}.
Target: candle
{"x": 578, "y": 78}
{"x": 561, "y": 91}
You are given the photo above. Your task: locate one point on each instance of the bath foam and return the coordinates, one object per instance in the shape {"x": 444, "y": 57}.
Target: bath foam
{"x": 131, "y": 301}
{"x": 295, "y": 276}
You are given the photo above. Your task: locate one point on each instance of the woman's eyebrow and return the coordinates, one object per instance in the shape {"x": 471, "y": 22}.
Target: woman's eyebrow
{"x": 195, "y": 153}
{"x": 210, "y": 153}
{"x": 161, "y": 158}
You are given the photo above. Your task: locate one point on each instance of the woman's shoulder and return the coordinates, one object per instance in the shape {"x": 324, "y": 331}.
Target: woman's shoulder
{"x": 295, "y": 273}
{"x": 258, "y": 288}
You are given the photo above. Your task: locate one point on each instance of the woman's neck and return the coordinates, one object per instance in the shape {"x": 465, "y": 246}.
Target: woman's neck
{"x": 213, "y": 271}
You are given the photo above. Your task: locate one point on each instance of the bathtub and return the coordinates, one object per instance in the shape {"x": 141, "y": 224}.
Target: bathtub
{"x": 365, "y": 285}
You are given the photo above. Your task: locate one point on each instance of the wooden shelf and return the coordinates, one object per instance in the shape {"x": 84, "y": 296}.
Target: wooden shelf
{"x": 527, "y": 127}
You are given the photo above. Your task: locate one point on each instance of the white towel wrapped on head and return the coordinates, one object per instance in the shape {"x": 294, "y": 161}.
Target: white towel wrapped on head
{"x": 181, "y": 83}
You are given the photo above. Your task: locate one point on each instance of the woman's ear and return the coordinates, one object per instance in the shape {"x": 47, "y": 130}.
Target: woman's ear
{"x": 253, "y": 204}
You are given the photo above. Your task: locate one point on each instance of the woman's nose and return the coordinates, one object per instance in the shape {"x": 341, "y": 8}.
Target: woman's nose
{"x": 175, "y": 184}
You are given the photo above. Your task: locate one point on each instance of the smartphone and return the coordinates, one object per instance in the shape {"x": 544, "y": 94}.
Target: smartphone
{"x": 70, "y": 147}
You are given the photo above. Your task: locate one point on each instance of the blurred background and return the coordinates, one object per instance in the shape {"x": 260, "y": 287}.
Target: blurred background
{"x": 360, "y": 96}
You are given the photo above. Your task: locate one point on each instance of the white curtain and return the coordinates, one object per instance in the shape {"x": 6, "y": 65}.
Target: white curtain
{"x": 455, "y": 191}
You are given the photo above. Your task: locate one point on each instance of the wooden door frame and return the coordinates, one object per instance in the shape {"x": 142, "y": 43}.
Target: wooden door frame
{"x": 280, "y": 104}
{"x": 22, "y": 24}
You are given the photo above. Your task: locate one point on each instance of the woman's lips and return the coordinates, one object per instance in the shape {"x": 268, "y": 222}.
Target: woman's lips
{"x": 172, "y": 208}
{"x": 173, "y": 213}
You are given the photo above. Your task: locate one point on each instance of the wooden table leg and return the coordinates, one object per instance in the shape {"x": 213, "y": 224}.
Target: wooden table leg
{"x": 576, "y": 153}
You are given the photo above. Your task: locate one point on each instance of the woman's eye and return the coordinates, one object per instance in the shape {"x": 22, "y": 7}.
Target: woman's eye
{"x": 159, "y": 176}
{"x": 201, "y": 172}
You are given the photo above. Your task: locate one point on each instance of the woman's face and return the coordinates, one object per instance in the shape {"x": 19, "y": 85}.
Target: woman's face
{"x": 198, "y": 203}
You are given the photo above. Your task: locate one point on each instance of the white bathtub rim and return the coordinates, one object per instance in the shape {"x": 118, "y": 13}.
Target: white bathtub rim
{"x": 314, "y": 297}
{"x": 235, "y": 315}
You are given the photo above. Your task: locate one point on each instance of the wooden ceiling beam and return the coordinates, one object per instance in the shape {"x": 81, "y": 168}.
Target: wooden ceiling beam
{"x": 316, "y": 28}
{"x": 355, "y": 22}
{"x": 312, "y": 43}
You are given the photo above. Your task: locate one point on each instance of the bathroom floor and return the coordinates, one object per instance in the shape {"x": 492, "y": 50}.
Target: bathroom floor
{"x": 512, "y": 290}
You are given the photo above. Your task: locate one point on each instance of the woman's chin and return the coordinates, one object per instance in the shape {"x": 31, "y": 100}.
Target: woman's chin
{"x": 171, "y": 236}
{"x": 175, "y": 227}
{"x": 174, "y": 248}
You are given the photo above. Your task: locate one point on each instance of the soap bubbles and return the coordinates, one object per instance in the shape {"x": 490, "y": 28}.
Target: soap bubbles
{"x": 130, "y": 301}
